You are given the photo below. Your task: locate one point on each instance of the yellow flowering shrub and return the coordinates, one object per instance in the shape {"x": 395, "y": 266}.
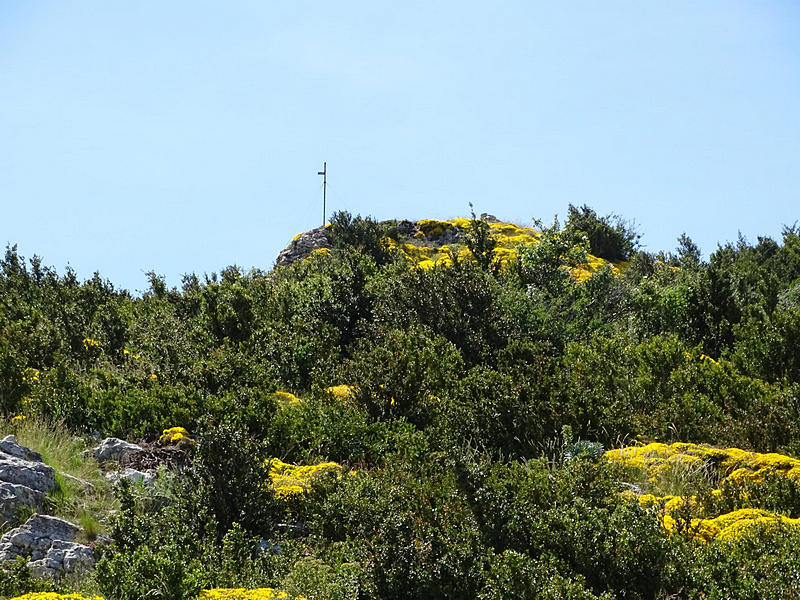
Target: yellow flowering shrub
{"x": 286, "y": 398}
{"x": 212, "y": 594}
{"x": 30, "y": 375}
{"x": 90, "y": 343}
{"x": 427, "y": 251}
{"x": 291, "y": 480}
{"x": 730, "y": 526}
{"x": 735, "y": 465}
{"x": 54, "y": 596}
{"x": 174, "y": 435}
{"x": 427, "y": 248}
{"x": 341, "y": 392}
{"x": 243, "y": 594}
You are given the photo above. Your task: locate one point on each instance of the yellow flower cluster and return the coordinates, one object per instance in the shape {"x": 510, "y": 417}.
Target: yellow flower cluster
{"x": 30, "y": 375}
{"x": 54, "y": 596}
{"x": 90, "y": 343}
{"x": 243, "y": 594}
{"x": 291, "y": 480}
{"x": 728, "y": 526}
{"x": 18, "y": 419}
{"x": 174, "y": 435}
{"x": 341, "y": 392}
{"x": 212, "y": 594}
{"x": 594, "y": 264}
{"x": 427, "y": 251}
{"x": 286, "y": 398}
{"x": 736, "y": 465}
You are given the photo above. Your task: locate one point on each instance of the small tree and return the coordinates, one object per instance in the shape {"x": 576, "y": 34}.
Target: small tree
{"x": 610, "y": 237}
{"x": 480, "y": 241}
{"x": 365, "y": 234}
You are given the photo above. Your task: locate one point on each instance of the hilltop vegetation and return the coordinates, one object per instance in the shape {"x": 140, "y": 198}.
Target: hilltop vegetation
{"x": 427, "y": 414}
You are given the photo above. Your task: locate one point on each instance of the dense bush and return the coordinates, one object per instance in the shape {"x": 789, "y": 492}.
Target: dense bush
{"x": 475, "y": 401}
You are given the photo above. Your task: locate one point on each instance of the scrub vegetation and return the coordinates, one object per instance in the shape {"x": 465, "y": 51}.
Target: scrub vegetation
{"x": 474, "y": 410}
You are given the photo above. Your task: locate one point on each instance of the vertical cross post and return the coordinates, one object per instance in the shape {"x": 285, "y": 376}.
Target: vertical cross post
{"x": 324, "y": 174}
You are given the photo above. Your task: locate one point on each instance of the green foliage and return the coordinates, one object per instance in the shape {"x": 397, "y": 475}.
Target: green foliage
{"x": 480, "y": 241}
{"x": 313, "y": 579}
{"x": 609, "y": 237}
{"x": 760, "y": 564}
{"x": 16, "y": 579}
{"x": 399, "y": 373}
{"x": 481, "y": 401}
{"x": 363, "y": 234}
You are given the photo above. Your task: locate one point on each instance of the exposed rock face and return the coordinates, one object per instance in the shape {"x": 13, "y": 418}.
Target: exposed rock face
{"x": 132, "y": 475}
{"x": 113, "y": 449}
{"x": 64, "y": 558}
{"x": 9, "y": 445}
{"x": 48, "y": 544}
{"x": 24, "y": 479}
{"x": 407, "y": 228}
{"x": 303, "y": 245}
{"x": 14, "y": 496}
{"x": 35, "y": 475}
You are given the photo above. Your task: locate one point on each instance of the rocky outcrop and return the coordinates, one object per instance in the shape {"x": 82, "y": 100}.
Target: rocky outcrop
{"x": 49, "y": 545}
{"x": 14, "y": 497}
{"x": 112, "y": 449}
{"x": 303, "y": 245}
{"x": 24, "y": 478}
{"x": 9, "y": 445}
{"x": 131, "y": 475}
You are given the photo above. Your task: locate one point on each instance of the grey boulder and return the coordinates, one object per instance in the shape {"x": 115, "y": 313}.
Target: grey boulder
{"x": 14, "y": 497}
{"x": 9, "y": 445}
{"x": 24, "y": 479}
{"x": 130, "y": 474}
{"x": 49, "y": 545}
{"x": 35, "y": 475}
{"x": 113, "y": 449}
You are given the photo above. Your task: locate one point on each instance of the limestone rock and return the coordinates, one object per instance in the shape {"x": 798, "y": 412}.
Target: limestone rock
{"x": 113, "y": 449}
{"x": 24, "y": 479}
{"x": 303, "y": 245}
{"x": 87, "y": 486}
{"x": 63, "y": 557}
{"x": 407, "y": 228}
{"x": 9, "y": 445}
{"x": 14, "y": 496}
{"x": 35, "y": 475}
{"x": 48, "y": 543}
{"x": 132, "y": 475}
{"x": 34, "y": 538}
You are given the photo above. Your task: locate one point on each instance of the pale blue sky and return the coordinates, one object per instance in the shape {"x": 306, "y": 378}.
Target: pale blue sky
{"x": 184, "y": 136}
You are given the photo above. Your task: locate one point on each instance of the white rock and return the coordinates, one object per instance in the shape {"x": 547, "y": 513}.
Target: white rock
{"x": 63, "y": 557}
{"x": 14, "y": 496}
{"x": 48, "y": 543}
{"x": 9, "y": 445}
{"x": 131, "y": 474}
{"x": 35, "y": 475}
{"x": 113, "y": 449}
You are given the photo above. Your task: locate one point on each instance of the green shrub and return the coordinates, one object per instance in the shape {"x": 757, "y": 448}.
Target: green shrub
{"x": 609, "y": 237}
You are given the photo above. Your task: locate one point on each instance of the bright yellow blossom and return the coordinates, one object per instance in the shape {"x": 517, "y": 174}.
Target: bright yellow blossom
{"x": 174, "y": 435}
{"x": 290, "y": 480}
{"x": 54, "y": 596}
